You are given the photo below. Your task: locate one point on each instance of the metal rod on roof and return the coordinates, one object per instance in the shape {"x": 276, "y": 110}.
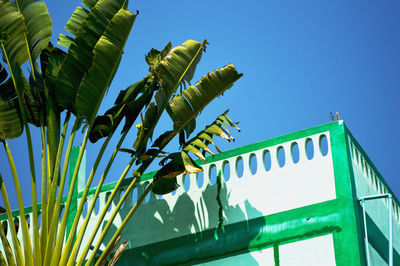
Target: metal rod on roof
{"x": 365, "y": 232}
{"x": 374, "y": 197}
{"x": 390, "y": 231}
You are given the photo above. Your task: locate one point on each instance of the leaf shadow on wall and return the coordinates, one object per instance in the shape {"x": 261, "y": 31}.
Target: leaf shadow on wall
{"x": 189, "y": 229}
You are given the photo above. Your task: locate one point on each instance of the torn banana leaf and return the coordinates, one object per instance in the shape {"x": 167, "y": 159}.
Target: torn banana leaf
{"x": 165, "y": 178}
{"x": 129, "y": 103}
{"x": 204, "y": 137}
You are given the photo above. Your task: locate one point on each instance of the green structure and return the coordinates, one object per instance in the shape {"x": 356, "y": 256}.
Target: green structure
{"x": 291, "y": 200}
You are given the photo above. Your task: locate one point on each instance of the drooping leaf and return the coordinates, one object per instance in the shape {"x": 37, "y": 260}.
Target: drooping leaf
{"x": 135, "y": 106}
{"x": 128, "y": 105}
{"x": 161, "y": 140}
{"x": 102, "y": 127}
{"x": 165, "y": 178}
{"x": 225, "y": 118}
{"x": 12, "y": 34}
{"x": 11, "y": 122}
{"x": 215, "y": 129}
{"x": 180, "y": 163}
{"x": 38, "y": 24}
{"x": 195, "y": 151}
{"x": 185, "y": 106}
{"x": 190, "y": 127}
{"x": 129, "y": 151}
{"x": 165, "y": 185}
{"x": 204, "y": 137}
{"x": 208, "y": 139}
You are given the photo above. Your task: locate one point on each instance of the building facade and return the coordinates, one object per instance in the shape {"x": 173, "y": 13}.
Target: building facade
{"x": 291, "y": 200}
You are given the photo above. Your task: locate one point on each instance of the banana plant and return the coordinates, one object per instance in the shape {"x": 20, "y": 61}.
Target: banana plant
{"x": 48, "y": 88}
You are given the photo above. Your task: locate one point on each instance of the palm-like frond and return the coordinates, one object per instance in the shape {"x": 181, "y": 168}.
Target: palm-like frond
{"x": 38, "y": 24}
{"x": 93, "y": 57}
{"x": 12, "y": 34}
{"x": 11, "y": 125}
{"x": 185, "y": 106}
{"x": 182, "y": 163}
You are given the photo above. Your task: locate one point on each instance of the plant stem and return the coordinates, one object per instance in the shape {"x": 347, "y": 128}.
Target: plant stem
{"x": 53, "y": 180}
{"x": 121, "y": 227}
{"x": 103, "y": 213}
{"x": 7, "y": 248}
{"x": 61, "y": 229}
{"x": 36, "y": 241}
{"x": 43, "y": 229}
{"x": 24, "y": 224}
{"x": 68, "y": 257}
{"x": 17, "y": 248}
{"x": 55, "y": 219}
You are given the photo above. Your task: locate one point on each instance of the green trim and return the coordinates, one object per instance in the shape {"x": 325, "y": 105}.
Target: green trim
{"x": 235, "y": 152}
{"x": 210, "y": 159}
{"x": 345, "y": 187}
{"x": 340, "y": 217}
{"x": 252, "y": 235}
{"x": 276, "y": 255}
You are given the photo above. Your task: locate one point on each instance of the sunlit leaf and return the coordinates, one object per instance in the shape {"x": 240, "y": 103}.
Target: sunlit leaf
{"x": 92, "y": 58}
{"x": 185, "y": 106}
{"x": 38, "y": 23}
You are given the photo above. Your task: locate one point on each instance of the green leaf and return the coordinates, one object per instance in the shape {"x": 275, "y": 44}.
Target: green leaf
{"x": 126, "y": 105}
{"x": 165, "y": 178}
{"x": 146, "y": 128}
{"x": 185, "y": 106}
{"x": 38, "y": 24}
{"x": 76, "y": 20}
{"x": 154, "y": 57}
{"x": 12, "y": 33}
{"x": 179, "y": 65}
{"x": 161, "y": 140}
{"x": 11, "y": 122}
{"x": 92, "y": 58}
{"x": 217, "y": 130}
{"x": 204, "y": 137}
{"x": 195, "y": 151}
{"x": 164, "y": 186}
{"x": 102, "y": 127}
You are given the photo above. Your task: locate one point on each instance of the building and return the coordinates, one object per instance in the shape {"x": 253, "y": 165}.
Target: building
{"x": 291, "y": 200}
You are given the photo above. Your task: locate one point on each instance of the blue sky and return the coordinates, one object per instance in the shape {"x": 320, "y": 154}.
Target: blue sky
{"x": 300, "y": 59}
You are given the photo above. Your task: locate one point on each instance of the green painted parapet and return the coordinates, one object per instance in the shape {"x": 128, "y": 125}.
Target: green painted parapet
{"x": 290, "y": 200}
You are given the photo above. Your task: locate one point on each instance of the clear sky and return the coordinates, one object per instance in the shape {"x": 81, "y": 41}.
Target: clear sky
{"x": 300, "y": 59}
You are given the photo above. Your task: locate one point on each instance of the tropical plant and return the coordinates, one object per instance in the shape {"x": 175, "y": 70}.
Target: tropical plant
{"x": 69, "y": 83}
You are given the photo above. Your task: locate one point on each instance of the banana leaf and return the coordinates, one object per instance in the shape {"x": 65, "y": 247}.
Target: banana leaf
{"x": 185, "y": 106}
{"x": 92, "y": 58}
{"x": 11, "y": 123}
{"x": 181, "y": 163}
{"x": 38, "y": 24}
